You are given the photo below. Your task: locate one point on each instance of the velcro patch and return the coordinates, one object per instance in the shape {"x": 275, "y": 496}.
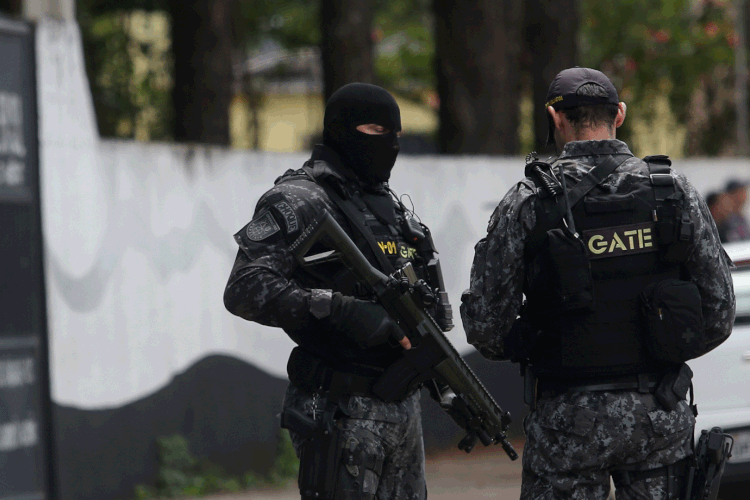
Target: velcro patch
{"x": 391, "y": 247}
{"x": 290, "y": 217}
{"x": 620, "y": 240}
{"x": 261, "y": 227}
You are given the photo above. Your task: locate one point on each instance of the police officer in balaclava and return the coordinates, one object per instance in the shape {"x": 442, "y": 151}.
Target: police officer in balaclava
{"x": 362, "y": 124}
{"x": 345, "y": 339}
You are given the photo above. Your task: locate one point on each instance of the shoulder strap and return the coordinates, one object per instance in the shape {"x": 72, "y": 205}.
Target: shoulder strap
{"x": 595, "y": 176}
{"x": 357, "y": 220}
{"x": 661, "y": 176}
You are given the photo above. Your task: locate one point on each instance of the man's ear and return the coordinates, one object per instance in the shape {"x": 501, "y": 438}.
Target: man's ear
{"x": 556, "y": 117}
{"x": 622, "y": 110}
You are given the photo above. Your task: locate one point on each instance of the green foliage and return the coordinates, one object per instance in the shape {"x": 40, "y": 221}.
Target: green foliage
{"x": 286, "y": 464}
{"x": 650, "y": 48}
{"x": 181, "y": 474}
{"x": 406, "y": 49}
{"x": 293, "y": 23}
{"x": 129, "y": 70}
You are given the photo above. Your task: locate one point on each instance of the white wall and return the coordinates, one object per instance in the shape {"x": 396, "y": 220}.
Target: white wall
{"x": 139, "y": 238}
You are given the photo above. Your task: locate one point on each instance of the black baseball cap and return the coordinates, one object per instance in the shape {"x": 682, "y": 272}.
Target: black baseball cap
{"x": 562, "y": 93}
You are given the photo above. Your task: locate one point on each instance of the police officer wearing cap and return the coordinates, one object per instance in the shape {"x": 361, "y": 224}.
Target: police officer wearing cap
{"x": 351, "y": 444}
{"x": 624, "y": 279}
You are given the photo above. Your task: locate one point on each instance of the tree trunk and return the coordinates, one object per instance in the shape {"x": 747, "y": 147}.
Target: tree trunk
{"x": 346, "y": 42}
{"x": 12, "y": 7}
{"x": 203, "y": 48}
{"x": 550, "y": 33}
{"x": 477, "y": 56}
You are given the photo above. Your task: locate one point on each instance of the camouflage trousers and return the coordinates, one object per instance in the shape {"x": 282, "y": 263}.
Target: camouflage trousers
{"x": 391, "y": 432}
{"x": 576, "y": 441}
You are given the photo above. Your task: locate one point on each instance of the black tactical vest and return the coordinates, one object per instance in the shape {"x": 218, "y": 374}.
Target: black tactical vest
{"x": 388, "y": 248}
{"x": 630, "y": 238}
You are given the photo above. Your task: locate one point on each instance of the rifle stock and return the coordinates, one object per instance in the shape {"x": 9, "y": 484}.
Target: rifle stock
{"x": 432, "y": 355}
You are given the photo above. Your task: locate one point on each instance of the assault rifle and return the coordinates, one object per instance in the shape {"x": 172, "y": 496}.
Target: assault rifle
{"x": 432, "y": 356}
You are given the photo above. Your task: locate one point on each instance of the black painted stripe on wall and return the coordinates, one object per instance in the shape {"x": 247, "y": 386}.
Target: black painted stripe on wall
{"x": 227, "y": 409}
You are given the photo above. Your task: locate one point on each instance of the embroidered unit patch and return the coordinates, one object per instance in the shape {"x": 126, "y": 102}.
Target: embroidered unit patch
{"x": 289, "y": 216}
{"x": 261, "y": 227}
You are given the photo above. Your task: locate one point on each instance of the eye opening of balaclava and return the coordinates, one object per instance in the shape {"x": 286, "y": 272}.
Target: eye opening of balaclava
{"x": 371, "y": 157}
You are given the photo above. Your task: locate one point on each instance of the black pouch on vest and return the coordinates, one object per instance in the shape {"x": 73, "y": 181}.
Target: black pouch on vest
{"x": 305, "y": 370}
{"x": 672, "y": 311}
{"x": 571, "y": 272}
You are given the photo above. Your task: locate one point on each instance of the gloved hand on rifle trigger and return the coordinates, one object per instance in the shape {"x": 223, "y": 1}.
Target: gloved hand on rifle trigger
{"x": 366, "y": 323}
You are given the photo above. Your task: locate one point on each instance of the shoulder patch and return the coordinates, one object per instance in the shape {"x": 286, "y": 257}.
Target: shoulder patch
{"x": 289, "y": 215}
{"x": 261, "y": 227}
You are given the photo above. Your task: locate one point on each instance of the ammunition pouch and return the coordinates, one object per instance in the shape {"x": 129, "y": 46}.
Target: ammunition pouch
{"x": 674, "y": 320}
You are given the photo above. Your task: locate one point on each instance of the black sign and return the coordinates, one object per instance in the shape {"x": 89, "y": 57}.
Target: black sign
{"x": 25, "y": 429}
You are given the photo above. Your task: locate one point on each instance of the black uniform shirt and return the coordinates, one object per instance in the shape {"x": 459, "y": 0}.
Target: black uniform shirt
{"x": 492, "y": 303}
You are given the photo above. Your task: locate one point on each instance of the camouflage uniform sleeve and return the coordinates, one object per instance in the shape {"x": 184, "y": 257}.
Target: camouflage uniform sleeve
{"x": 260, "y": 286}
{"x": 708, "y": 266}
{"x": 492, "y": 303}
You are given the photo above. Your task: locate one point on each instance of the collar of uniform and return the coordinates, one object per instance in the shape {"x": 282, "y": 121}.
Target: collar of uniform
{"x": 595, "y": 148}
{"x": 328, "y": 164}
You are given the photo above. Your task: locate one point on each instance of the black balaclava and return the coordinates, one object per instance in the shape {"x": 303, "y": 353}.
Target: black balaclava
{"x": 371, "y": 157}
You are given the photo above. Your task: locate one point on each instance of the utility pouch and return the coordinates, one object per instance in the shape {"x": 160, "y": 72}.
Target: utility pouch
{"x": 320, "y": 464}
{"x": 674, "y": 320}
{"x": 673, "y": 387}
{"x": 571, "y": 272}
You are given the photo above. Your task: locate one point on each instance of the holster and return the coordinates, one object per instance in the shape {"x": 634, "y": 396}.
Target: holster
{"x": 711, "y": 454}
{"x": 320, "y": 452}
{"x": 332, "y": 466}
{"x": 320, "y": 464}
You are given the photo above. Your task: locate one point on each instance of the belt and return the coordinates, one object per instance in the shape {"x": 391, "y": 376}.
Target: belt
{"x": 314, "y": 375}
{"x": 643, "y": 383}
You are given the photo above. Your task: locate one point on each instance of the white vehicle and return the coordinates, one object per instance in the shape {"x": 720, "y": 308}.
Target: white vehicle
{"x": 722, "y": 377}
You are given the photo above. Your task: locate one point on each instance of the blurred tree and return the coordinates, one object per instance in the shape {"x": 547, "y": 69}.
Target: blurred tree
{"x": 405, "y": 50}
{"x": 477, "y": 65}
{"x": 188, "y": 96}
{"x": 12, "y": 7}
{"x": 551, "y": 45}
{"x": 346, "y": 42}
{"x": 129, "y": 70}
{"x": 204, "y": 39}
{"x": 679, "y": 48}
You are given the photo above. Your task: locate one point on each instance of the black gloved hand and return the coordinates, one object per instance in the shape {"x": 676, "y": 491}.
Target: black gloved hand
{"x": 364, "y": 322}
